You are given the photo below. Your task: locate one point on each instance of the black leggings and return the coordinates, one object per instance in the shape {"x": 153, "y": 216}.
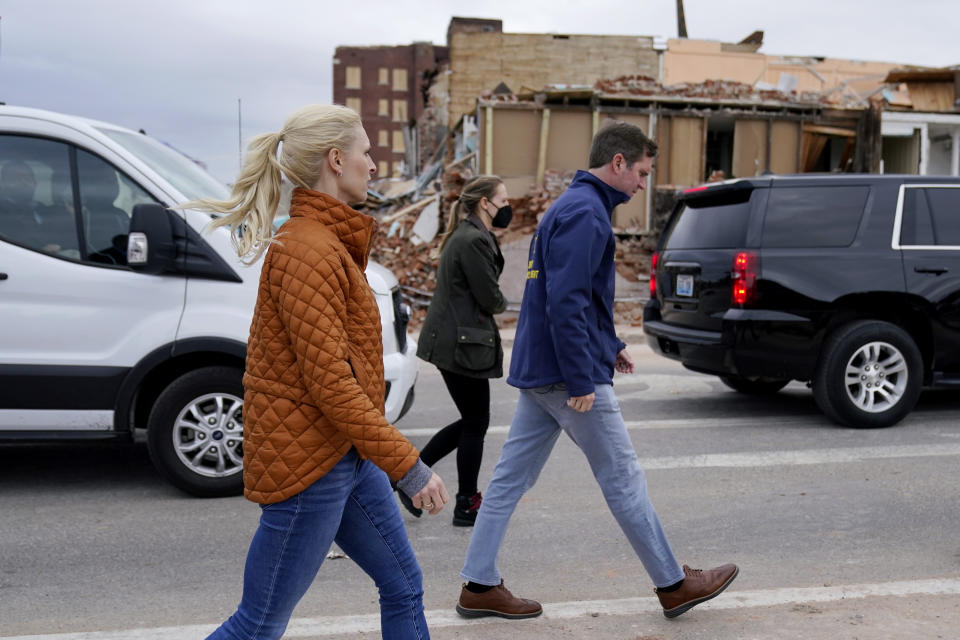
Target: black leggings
{"x": 472, "y": 397}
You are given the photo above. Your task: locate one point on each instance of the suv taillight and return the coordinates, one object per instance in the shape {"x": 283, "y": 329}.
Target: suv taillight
{"x": 653, "y": 274}
{"x": 745, "y": 269}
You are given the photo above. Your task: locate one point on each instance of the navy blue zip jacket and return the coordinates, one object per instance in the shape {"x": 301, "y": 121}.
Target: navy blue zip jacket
{"x": 565, "y": 332}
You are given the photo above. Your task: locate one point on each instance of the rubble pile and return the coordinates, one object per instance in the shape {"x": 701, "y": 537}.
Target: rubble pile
{"x": 713, "y": 89}
{"x": 632, "y": 257}
{"x": 528, "y": 209}
{"x": 398, "y": 205}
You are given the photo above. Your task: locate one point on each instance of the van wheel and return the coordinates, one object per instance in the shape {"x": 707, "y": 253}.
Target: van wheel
{"x": 869, "y": 375}
{"x": 195, "y": 432}
{"x": 754, "y": 386}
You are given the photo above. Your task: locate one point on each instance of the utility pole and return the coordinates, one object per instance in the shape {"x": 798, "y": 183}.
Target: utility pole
{"x": 681, "y": 21}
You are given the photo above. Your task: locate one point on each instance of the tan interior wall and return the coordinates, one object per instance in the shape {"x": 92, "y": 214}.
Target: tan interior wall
{"x": 663, "y": 140}
{"x": 641, "y": 120}
{"x": 686, "y": 141}
{"x": 516, "y": 136}
{"x": 749, "y": 148}
{"x": 568, "y": 143}
{"x": 785, "y": 147}
{"x": 634, "y": 212}
{"x": 519, "y": 186}
{"x": 932, "y": 96}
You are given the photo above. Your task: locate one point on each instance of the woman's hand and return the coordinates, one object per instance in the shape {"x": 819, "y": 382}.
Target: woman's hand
{"x": 432, "y": 497}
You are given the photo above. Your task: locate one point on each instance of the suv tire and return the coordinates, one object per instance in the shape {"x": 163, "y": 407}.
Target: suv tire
{"x": 754, "y": 386}
{"x": 195, "y": 432}
{"x": 874, "y": 353}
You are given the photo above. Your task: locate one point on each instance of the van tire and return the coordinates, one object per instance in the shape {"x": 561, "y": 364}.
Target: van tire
{"x": 883, "y": 353}
{"x": 200, "y": 412}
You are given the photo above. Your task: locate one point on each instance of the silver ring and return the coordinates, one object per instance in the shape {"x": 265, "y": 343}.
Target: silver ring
{"x": 428, "y": 506}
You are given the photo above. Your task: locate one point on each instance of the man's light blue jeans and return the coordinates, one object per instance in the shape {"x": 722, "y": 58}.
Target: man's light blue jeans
{"x": 600, "y": 433}
{"x": 355, "y": 507}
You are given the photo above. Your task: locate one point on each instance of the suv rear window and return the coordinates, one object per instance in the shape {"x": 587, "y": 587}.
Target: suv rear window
{"x": 814, "y": 216}
{"x": 711, "y": 224}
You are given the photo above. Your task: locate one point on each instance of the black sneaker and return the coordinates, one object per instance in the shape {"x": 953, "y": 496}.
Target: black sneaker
{"x": 407, "y": 502}
{"x": 465, "y": 513}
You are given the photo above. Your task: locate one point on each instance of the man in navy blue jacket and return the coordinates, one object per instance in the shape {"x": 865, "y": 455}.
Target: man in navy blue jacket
{"x": 564, "y": 356}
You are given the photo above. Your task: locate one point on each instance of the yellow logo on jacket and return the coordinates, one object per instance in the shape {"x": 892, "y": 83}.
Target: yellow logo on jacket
{"x": 531, "y": 272}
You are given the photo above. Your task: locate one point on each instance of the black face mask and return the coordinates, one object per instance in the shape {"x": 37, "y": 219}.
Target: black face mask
{"x": 501, "y": 220}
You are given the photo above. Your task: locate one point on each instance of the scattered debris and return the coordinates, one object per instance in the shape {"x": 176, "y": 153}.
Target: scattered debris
{"x": 427, "y": 224}
{"x": 411, "y": 231}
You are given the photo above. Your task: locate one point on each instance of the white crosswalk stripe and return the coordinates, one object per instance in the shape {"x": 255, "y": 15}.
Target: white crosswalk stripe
{"x": 441, "y": 618}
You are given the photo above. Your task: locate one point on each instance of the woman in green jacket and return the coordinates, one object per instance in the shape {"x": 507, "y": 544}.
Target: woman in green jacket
{"x": 460, "y": 336}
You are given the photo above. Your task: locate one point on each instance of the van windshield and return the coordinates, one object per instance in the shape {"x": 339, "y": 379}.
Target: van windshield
{"x": 177, "y": 169}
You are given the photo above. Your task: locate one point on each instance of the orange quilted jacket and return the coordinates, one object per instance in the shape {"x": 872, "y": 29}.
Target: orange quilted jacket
{"x": 314, "y": 386}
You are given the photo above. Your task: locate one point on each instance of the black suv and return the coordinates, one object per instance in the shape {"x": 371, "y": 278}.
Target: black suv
{"x": 848, "y": 282}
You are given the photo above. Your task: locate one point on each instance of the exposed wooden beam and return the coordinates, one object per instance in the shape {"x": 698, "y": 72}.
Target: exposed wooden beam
{"x": 542, "y": 152}
{"x": 829, "y": 131}
{"x": 488, "y": 142}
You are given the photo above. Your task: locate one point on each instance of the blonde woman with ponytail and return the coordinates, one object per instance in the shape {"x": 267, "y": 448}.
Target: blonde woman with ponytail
{"x": 460, "y": 336}
{"x": 319, "y": 457}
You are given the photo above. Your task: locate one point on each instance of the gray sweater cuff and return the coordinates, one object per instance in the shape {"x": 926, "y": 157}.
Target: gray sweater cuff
{"x": 416, "y": 479}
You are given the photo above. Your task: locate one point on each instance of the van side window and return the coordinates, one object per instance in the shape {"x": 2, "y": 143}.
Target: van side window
{"x": 36, "y": 195}
{"x": 107, "y": 198}
{"x": 815, "y": 216}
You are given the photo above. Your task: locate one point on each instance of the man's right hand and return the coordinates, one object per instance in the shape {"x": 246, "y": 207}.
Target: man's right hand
{"x": 581, "y": 404}
{"x": 432, "y": 497}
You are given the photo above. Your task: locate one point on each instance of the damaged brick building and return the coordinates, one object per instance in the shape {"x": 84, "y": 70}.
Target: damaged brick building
{"x": 525, "y": 106}
{"x": 389, "y": 87}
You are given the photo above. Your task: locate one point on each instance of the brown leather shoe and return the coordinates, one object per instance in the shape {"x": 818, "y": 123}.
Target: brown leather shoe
{"x": 496, "y": 602}
{"x": 698, "y": 586}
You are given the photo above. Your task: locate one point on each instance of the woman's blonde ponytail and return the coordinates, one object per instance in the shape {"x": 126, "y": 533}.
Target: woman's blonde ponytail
{"x": 297, "y": 152}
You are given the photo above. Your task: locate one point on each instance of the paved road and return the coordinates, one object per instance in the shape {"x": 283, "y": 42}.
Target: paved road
{"x": 839, "y": 533}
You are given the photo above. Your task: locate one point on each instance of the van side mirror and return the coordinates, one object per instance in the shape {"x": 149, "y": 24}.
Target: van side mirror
{"x": 161, "y": 242}
{"x": 150, "y": 245}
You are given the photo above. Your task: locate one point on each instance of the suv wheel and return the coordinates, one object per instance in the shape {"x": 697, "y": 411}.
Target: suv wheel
{"x": 754, "y": 386}
{"x": 195, "y": 432}
{"x": 869, "y": 375}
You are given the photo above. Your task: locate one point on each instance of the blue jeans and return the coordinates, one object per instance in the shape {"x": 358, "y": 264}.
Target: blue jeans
{"x": 354, "y": 506}
{"x": 600, "y": 433}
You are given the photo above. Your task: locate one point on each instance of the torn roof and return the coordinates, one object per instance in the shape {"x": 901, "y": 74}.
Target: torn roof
{"x": 725, "y": 92}
{"x": 923, "y": 89}
{"x": 923, "y": 74}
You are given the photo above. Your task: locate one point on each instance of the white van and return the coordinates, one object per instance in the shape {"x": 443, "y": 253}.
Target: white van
{"x": 92, "y": 346}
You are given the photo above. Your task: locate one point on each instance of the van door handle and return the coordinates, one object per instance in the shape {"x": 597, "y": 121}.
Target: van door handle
{"x": 934, "y": 270}
{"x": 3, "y": 276}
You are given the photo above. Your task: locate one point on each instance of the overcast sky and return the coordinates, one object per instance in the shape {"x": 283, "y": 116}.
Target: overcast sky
{"x": 176, "y": 68}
